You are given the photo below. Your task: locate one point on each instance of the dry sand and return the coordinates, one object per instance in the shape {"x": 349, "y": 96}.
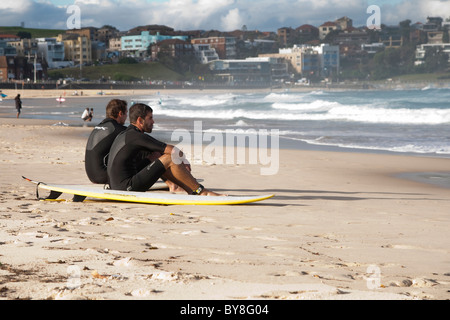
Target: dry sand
{"x": 341, "y": 226}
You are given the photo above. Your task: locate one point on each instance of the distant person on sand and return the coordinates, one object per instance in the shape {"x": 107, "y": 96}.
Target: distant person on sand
{"x": 91, "y": 115}
{"x": 18, "y": 104}
{"x": 85, "y": 115}
{"x": 124, "y": 174}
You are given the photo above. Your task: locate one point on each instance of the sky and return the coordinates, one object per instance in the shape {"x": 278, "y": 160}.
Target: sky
{"x": 223, "y": 15}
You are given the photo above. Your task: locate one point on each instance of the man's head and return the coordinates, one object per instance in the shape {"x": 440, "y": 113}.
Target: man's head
{"x": 141, "y": 115}
{"x": 117, "y": 110}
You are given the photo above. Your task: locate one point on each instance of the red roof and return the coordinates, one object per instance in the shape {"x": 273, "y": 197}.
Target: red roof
{"x": 306, "y": 27}
{"x": 328, "y": 24}
{"x": 9, "y": 36}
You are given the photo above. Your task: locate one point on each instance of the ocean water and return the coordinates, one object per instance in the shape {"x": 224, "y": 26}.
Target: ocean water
{"x": 402, "y": 121}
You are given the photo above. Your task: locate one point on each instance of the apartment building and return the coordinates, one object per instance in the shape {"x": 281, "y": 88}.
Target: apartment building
{"x": 25, "y": 47}
{"x": 224, "y": 46}
{"x": 6, "y": 68}
{"x": 90, "y": 32}
{"x": 329, "y": 59}
{"x": 6, "y": 49}
{"x": 302, "y": 59}
{"x": 77, "y": 48}
{"x": 309, "y": 60}
{"x": 327, "y": 27}
{"x": 138, "y": 44}
{"x": 173, "y": 47}
{"x": 204, "y": 53}
{"x": 285, "y": 35}
{"x": 53, "y": 52}
{"x": 115, "y": 44}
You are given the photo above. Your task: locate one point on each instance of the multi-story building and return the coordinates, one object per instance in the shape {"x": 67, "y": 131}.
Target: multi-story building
{"x": 173, "y": 47}
{"x": 6, "y": 49}
{"x": 53, "y": 52}
{"x": 302, "y": 59}
{"x": 105, "y": 34}
{"x": 90, "y": 32}
{"x": 350, "y": 41}
{"x": 6, "y": 68}
{"x": 21, "y": 68}
{"x": 77, "y": 48}
{"x": 137, "y": 45}
{"x": 327, "y": 27}
{"x": 329, "y": 59}
{"x": 422, "y": 49}
{"x": 278, "y": 67}
{"x": 285, "y": 35}
{"x": 224, "y": 46}
{"x": 25, "y": 47}
{"x": 344, "y": 23}
{"x": 242, "y": 71}
{"x": 204, "y": 53}
{"x": 310, "y": 60}
{"x": 115, "y": 44}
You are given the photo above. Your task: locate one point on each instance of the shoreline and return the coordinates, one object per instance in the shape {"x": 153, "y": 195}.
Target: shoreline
{"x": 56, "y": 93}
{"x": 335, "y": 216}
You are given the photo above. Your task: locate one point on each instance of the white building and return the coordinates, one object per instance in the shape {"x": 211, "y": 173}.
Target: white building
{"x": 372, "y": 48}
{"x": 329, "y": 58}
{"x": 421, "y": 51}
{"x": 53, "y": 52}
{"x": 204, "y": 53}
{"x": 307, "y": 59}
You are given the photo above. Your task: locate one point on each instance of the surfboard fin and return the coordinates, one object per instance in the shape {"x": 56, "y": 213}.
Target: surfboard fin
{"x": 78, "y": 198}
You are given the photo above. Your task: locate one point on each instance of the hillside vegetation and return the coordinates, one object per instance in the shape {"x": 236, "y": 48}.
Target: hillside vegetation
{"x": 35, "y": 33}
{"x": 120, "y": 72}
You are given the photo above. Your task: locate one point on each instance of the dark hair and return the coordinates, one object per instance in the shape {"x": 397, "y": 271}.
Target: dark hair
{"x": 114, "y": 107}
{"x": 139, "y": 110}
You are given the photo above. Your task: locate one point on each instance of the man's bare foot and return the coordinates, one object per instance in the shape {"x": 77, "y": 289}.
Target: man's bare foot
{"x": 173, "y": 187}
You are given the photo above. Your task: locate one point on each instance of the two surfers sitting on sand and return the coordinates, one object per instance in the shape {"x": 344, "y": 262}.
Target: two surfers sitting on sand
{"x": 127, "y": 158}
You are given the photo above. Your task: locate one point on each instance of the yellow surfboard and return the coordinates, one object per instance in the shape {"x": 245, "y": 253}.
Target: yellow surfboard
{"x": 81, "y": 192}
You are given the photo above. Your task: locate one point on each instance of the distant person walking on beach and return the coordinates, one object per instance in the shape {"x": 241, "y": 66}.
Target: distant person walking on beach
{"x": 18, "y": 104}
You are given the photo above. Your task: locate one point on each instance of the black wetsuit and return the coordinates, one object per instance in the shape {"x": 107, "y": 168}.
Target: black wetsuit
{"x": 97, "y": 149}
{"x": 125, "y": 167}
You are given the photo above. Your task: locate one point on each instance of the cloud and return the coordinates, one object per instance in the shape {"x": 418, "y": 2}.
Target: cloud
{"x": 15, "y": 5}
{"x": 419, "y": 10}
{"x": 227, "y": 15}
{"x": 232, "y": 20}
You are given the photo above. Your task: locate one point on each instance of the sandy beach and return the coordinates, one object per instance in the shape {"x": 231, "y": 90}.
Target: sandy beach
{"x": 342, "y": 225}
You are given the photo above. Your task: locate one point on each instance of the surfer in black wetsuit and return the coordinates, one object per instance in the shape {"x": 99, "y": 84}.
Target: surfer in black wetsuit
{"x": 101, "y": 139}
{"x": 169, "y": 163}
